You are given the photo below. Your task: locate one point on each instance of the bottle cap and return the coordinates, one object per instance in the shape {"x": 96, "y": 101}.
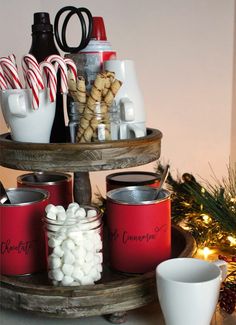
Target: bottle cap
{"x": 42, "y": 22}
{"x": 99, "y": 31}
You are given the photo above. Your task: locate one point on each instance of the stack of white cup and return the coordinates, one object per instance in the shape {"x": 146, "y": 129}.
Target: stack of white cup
{"x": 74, "y": 244}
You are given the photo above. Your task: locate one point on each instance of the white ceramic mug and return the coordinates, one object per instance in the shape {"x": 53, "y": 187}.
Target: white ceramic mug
{"x": 25, "y": 123}
{"x": 129, "y": 99}
{"x": 188, "y": 289}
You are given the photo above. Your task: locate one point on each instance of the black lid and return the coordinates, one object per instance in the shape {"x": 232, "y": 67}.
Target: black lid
{"x": 132, "y": 178}
{"x": 42, "y": 22}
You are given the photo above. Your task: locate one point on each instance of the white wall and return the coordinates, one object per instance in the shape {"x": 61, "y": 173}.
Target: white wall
{"x": 183, "y": 50}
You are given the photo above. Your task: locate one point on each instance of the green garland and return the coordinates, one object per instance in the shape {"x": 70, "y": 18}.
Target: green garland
{"x": 209, "y": 212}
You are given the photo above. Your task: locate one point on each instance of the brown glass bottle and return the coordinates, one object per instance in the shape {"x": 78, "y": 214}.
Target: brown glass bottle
{"x": 42, "y": 46}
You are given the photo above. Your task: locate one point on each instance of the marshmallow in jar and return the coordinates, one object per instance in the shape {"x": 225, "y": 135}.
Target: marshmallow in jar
{"x": 74, "y": 244}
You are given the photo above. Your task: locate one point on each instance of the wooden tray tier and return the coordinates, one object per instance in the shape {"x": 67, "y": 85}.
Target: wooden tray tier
{"x": 116, "y": 292}
{"x": 80, "y": 157}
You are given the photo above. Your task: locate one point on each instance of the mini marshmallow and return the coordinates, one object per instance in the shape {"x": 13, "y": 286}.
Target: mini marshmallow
{"x": 88, "y": 244}
{"x": 60, "y": 208}
{"x": 61, "y": 216}
{"x": 79, "y": 253}
{"x": 95, "y": 275}
{"x": 98, "y": 258}
{"x": 86, "y": 280}
{"x": 72, "y": 205}
{"x": 51, "y": 215}
{"x": 74, "y": 235}
{"x": 54, "y": 242}
{"x": 67, "y": 269}
{"x": 54, "y": 262}
{"x": 91, "y": 213}
{"x": 67, "y": 280}
{"x": 86, "y": 267}
{"x": 79, "y": 240}
{"x": 68, "y": 258}
{"x": 80, "y": 213}
{"x": 68, "y": 244}
{"x": 77, "y": 273}
{"x": 51, "y": 208}
{"x": 57, "y": 274}
{"x": 89, "y": 257}
{"x": 99, "y": 268}
{"x": 58, "y": 251}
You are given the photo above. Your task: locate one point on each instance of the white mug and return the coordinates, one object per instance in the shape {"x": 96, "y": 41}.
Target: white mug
{"x": 188, "y": 289}
{"x": 129, "y": 99}
{"x": 25, "y": 123}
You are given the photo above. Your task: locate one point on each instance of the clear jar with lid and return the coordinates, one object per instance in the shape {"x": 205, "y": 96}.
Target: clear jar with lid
{"x": 93, "y": 123}
{"x": 73, "y": 244}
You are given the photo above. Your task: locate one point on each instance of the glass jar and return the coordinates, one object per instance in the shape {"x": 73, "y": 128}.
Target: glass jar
{"x": 93, "y": 123}
{"x": 73, "y": 244}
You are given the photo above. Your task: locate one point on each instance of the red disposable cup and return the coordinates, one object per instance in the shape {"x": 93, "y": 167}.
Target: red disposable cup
{"x": 21, "y": 232}
{"x": 139, "y": 228}
{"x": 59, "y": 185}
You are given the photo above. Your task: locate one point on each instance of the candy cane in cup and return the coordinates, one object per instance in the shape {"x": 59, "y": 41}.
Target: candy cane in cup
{"x": 30, "y": 62}
{"x": 10, "y": 73}
{"x": 48, "y": 70}
{"x": 33, "y": 85}
{"x": 72, "y": 66}
{"x": 3, "y": 82}
{"x": 60, "y": 65}
{"x": 12, "y": 57}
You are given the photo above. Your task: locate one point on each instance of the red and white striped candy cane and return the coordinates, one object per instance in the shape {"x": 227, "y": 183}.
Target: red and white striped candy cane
{"x": 72, "y": 66}
{"x": 33, "y": 85}
{"x": 30, "y": 62}
{"x": 60, "y": 64}
{"x": 10, "y": 73}
{"x": 51, "y": 78}
{"x": 3, "y": 82}
{"x": 12, "y": 58}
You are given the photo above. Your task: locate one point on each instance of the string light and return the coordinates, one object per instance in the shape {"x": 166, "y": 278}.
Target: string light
{"x": 232, "y": 240}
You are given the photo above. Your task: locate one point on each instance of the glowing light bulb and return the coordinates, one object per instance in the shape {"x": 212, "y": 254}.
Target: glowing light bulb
{"x": 206, "y": 218}
{"x": 232, "y": 240}
{"x": 206, "y": 252}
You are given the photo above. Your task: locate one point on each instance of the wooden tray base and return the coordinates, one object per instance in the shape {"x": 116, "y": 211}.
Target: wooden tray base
{"x": 115, "y": 294}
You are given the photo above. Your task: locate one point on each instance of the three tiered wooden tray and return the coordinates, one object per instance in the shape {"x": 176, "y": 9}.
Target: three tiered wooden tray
{"x": 116, "y": 293}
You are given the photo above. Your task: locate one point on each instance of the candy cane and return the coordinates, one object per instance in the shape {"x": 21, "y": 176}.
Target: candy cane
{"x": 32, "y": 83}
{"x": 60, "y": 64}
{"x": 72, "y": 66}
{"x": 3, "y": 82}
{"x": 10, "y": 73}
{"x": 12, "y": 58}
{"x": 51, "y": 78}
{"x": 30, "y": 62}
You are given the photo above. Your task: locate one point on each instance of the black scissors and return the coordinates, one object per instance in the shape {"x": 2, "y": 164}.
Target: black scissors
{"x": 86, "y": 32}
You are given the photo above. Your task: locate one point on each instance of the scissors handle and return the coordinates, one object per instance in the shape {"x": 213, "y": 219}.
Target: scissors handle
{"x": 86, "y": 33}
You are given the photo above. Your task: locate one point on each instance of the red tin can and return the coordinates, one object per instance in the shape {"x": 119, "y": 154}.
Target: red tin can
{"x": 139, "y": 228}
{"x": 134, "y": 178}
{"x": 21, "y": 232}
{"x": 59, "y": 185}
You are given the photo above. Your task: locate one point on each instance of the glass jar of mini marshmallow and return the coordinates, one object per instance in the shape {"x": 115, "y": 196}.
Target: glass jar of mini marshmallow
{"x": 73, "y": 244}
